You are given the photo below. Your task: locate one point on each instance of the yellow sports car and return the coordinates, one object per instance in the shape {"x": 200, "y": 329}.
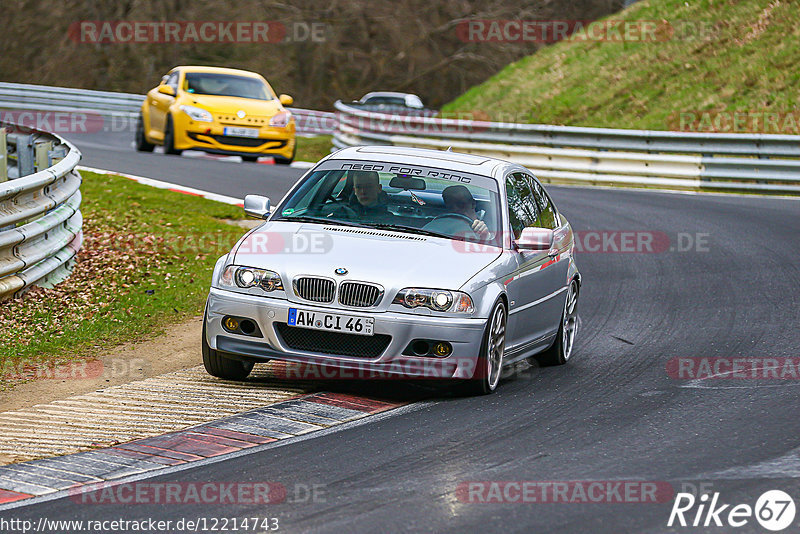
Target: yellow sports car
{"x": 217, "y": 110}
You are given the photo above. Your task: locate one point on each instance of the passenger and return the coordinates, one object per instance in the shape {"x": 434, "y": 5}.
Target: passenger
{"x": 368, "y": 199}
{"x": 458, "y": 199}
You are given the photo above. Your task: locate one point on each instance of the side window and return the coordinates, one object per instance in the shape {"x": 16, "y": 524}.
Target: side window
{"x": 547, "y": 212}
{"x": 313, "y": 192}
{"x": 523, "y": 211}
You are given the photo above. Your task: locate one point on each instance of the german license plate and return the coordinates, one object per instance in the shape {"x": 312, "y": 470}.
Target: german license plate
{"x": 241, "y": 132}
{"x": 333, "y": 322}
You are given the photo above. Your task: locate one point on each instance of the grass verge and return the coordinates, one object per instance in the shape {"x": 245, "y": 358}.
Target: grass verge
{"x": 717, "y": 56}
{"x": 146, "y": 263}
{"x": 313, "y": 148}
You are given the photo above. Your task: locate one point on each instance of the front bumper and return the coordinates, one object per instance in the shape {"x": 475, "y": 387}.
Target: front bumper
{"x": 464, "y": 334}
{"x": 209, "y": 136}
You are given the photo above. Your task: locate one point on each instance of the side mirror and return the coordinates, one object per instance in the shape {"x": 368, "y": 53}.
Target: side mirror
{"x": 286, "y": 100}
{"x": 533, "y": 238}
{"x": 256, "y": 206}
{"x": 166, "y": 90}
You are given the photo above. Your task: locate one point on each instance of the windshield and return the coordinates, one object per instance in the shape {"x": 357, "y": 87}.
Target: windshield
{"x": 386, "y": 100}
{"x": 204, "y": 83}
{"x": 421, "y": 200}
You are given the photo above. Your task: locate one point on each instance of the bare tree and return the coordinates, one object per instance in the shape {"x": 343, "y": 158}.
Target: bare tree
{"x": 406, "y": 45}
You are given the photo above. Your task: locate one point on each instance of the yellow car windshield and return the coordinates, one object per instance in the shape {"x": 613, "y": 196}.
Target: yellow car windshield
{"x": 203, "y": 83}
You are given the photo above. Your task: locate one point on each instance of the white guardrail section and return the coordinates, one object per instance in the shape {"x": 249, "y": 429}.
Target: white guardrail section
{"x": 18, "y": 96}
{"x": 601, "y": 156}
{"x": 40, "y": 220}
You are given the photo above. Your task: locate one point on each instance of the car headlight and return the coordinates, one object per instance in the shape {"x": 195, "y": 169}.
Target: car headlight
{"x": 436, "y": 299}
{"x": 197, "y": 114}
{"x": 247, "y": 277}
{"x": 280, "y": 119}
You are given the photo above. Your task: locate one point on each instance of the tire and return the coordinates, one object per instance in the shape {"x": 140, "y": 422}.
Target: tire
{"x": 284, "y": 161}
{"x": 142, "y": 145}
{"x": 250, "y": 159}
{"x": 221, "y": 367}
{"x": 490, "y": 359}
{"x": 169, "y": 138}
{"x": 560, "y": 351}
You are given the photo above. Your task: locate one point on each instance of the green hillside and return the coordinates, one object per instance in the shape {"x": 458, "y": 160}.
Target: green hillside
{"x": 707, "y": 56}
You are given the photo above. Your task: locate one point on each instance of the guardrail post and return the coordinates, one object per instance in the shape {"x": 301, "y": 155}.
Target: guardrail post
{"x": 25, "y": 163}
{"x": 57, "y": 154}
{"x": 41, "y": 152}
{"x": 3, "y": 156}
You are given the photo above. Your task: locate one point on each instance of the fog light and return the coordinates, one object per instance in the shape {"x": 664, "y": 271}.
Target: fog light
{"x": 420, "y": 347}
{"x": 442, "y": 349}
{"x": 248, "y": 327}
{"x": 231, "y": 324}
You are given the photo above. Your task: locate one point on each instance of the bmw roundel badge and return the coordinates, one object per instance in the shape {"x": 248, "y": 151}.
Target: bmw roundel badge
{"x": 341, "y": 271}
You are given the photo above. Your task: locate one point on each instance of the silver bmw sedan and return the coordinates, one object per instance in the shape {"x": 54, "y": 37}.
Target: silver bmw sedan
{"x": 398, "y": 262}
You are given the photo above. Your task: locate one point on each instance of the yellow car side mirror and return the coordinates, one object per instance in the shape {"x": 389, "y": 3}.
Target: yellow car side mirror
{"x": 166, "y": 90}
{"x": 286, "y": 100}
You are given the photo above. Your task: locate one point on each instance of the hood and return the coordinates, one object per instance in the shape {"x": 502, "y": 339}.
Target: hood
{"x": 394, "y": 260}
{"x": 232, "y": 104}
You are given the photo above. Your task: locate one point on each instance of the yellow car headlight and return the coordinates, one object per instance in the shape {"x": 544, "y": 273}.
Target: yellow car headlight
{"x": 280, "y": 119}
{"x": 197, "y": 114}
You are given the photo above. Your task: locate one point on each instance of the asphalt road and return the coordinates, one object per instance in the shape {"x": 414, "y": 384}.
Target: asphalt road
{"x": 114, "y": 151}
{"x": 613, "y": 413}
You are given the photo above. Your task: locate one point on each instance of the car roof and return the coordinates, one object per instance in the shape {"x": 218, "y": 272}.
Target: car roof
{"x": 386, "y": 93}
{"x": 217, "y": 70}
{"x": 455, "y": 161}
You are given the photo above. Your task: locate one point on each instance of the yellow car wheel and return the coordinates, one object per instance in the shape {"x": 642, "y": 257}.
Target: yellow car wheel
{"x": 169, "y": 138}
{"x": 142, "y": 145}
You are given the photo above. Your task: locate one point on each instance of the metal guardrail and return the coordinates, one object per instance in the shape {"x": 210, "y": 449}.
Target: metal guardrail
{"x": 40, "y": 219}
{"x": 105, "y": 104}
{"x": 602, "y": 156}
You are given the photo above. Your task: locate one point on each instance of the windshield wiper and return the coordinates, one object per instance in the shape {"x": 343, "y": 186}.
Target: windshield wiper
{"x": 321, "y": 220}
{"x": 411, "y": 229}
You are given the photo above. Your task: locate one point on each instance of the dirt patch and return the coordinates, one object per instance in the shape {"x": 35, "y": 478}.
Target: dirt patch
{"x": 761, "y": 25}
{"x": 178, "y": 348}
{"x": 244, "y": 223}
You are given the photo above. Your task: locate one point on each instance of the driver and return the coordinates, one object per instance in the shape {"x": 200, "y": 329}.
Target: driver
{"x": 458, "y": 199}
{"x": 368, "y": 199}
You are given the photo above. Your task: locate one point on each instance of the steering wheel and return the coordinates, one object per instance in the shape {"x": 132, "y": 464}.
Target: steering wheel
{"x": 458, "y": 216}
{"x": 339, "y": 210}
